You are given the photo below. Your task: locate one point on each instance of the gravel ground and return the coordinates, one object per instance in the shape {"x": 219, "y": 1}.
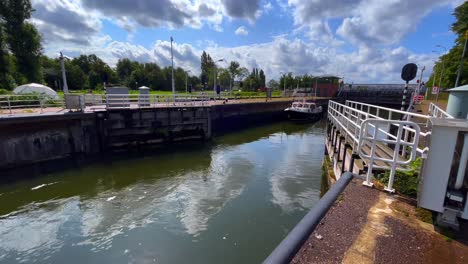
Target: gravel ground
{"x": 340, "y": 226}
{"x": 405, "y": 244}
{"x": 405, "y": 240}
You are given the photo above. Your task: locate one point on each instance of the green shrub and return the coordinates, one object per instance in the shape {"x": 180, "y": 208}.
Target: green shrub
{"x": 406, "y": 182}
{"x": 4, "y": 91}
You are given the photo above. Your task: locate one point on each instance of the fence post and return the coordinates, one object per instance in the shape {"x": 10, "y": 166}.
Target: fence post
{"x": 9, "y": 104}
{"x": 41, "y": 103}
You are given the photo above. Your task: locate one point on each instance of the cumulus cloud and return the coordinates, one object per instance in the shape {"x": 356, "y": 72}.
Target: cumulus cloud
{"x": 373, "y": 27}
{"x": 64, "y": 21}
{"x": 241, "y": 31}
{"x": 242, "y": 8}
{"x": 365, "y": 22}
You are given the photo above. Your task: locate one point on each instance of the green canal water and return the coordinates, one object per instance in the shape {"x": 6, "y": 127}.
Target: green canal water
{"x": 231, "y": 200}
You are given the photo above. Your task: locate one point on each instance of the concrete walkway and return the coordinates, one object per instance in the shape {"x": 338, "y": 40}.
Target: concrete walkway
{"x": 369, "y": 226}
{"x": 60, "y": 110}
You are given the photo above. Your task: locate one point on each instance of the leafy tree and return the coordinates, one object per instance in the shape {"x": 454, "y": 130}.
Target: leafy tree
{"x": 124, "y": 69}
{"x": 52, "y": 74}
{"x": 23, "y": 40}
{"x": 234, "y": 71}
{"x": 447, "y": 65}
{"x": 273, "y": 84}
{"x": 6, "y": 79}
{"x": 207, "y": 64}
{"x": 262, "y": 78}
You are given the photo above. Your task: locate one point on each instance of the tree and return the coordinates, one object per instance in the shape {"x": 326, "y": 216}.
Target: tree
{"x": 6, "y": 78}
{"x": 449, "y": 62}
{"x": 262, "y": 78}
{"x": 207, "y": 64}
{"x": 273, "y": 84}
{"x": 234, "y": 71}
{"x": 23, "y": 40}
{"x": 124, "y": 69}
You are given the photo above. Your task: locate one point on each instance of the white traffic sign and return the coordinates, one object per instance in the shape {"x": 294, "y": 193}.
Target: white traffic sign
{"x": 435, "y": 89}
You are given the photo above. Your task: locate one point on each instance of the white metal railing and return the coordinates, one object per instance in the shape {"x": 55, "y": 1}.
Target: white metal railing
{"x": 365, "y": 124}
{"x": 369, "y": 134}
{"x": 12, "y": 103}
{"x": 148, "y": 100}
{"x": 436, "y": 111}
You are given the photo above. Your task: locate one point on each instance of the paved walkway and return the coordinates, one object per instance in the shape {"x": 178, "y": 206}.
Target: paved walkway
{"x": 369, "y": 226}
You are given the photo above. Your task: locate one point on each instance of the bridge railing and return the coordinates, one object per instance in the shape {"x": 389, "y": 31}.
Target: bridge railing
{"x": 438, "y": 112}
{"x": 11, "y": 104}
{"x": 380, "y": 130}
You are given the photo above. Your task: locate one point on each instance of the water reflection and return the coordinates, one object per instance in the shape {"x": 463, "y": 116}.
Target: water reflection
{"x": 164, "y": 199}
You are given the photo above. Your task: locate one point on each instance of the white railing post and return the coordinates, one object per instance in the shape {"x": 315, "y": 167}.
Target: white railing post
{"x": 391, "y": 178}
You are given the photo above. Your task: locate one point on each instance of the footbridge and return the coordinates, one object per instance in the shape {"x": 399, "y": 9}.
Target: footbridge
{"x": 369, "y": 140}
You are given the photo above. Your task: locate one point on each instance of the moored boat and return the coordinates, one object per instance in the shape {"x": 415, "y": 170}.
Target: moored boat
{"x": 303, "y": 111}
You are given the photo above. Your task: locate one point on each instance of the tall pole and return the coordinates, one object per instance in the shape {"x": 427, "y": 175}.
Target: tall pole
{"x": 186, "y": 81}
{"x": 461, "y": 60}
{"x": 403, "y": 102}
{"x": 172, "y": 60}
{"x": 315, "y": 92}
{"x": 440, "y": 78}
{"x": 64, "y": 75}
{"x": 433, "y": 80}
{"x": 442, "y": 72}
{"x": 215, "y": 73}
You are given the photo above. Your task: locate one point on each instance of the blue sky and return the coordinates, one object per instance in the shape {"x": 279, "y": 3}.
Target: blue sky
{"x": 362, "y": 40}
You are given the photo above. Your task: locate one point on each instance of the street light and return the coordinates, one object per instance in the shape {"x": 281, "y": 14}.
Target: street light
{"x": 214, "y": 82}
{"x": 443, "y": 69}
{"x": 64, "y": 75}
{"x": 284, "y": 82}
{"x": 186, "y": 80}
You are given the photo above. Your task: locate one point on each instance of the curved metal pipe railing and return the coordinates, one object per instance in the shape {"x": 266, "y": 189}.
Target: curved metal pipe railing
{"x": 293, "y": 242}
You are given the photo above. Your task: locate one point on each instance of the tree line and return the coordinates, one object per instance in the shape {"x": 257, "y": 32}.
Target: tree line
{"x": 22, "y": 61}
{"x": 445, "y": 69}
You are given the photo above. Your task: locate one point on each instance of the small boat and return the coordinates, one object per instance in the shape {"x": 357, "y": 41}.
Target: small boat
{"x": 303, "y": 111}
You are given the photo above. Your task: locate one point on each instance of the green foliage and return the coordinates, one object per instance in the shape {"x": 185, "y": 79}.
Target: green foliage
{"x": 445, "y": 69}
{"x": 4, "y": 91}
{"x": 23, "y": 40}
{"x": 405, "y": 182}
{"x": 207, "y": 65}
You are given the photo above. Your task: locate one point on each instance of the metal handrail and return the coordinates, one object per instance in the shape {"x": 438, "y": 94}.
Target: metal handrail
{"x": 355, "y": 104}
{"x": 438, "y": 112}
{"x": 293, "y": 242}
{"x": 373, "y": 139}
{"x": 351, "y": 121}
{"x": 29, "y": 101}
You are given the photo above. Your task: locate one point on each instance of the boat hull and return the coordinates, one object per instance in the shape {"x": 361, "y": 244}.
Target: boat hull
{"x": 302, "y": 116}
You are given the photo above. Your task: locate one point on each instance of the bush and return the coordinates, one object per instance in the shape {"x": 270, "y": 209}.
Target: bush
{"x": 4, "y": 91}
{"x": 406, "y": 182}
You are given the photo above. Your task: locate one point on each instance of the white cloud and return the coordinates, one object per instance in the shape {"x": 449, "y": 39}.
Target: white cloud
{"x": 242, "y": 31}
{"x": 365, "y": 22}
{"x": 374, "y": 28}
{"x": 267, "y": 7}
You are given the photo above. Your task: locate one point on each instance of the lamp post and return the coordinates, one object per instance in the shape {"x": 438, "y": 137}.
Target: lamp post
{"x": 214, "y": 82}
{"x": 64, "y": 75}
{"x": 172, "y": 60}
{"x": 284, "y": 83}
{"x": 435, "y": 73}
{"x": 442, "y": 72}
{"x": 461, "y": 60}
{"x": 186, "y": 80}
{"x": 316, "y": 85}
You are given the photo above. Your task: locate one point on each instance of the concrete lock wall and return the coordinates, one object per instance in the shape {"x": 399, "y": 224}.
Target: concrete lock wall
{"x": 40, "y": 141}
{"x": 24, "y": 141}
